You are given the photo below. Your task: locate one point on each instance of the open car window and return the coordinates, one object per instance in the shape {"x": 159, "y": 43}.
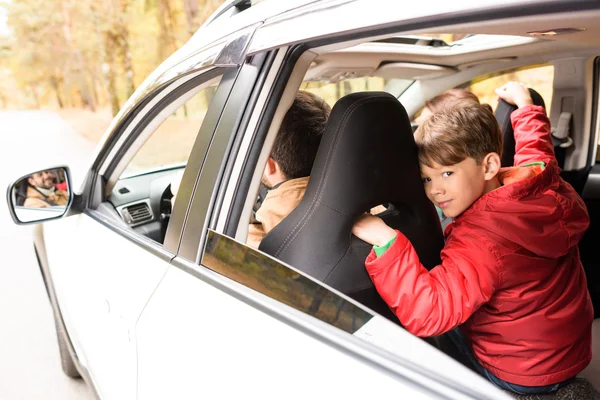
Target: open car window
{"x": 171, "y": 143}
{"x": 539, "y": 78}
{"x": 333, "y": 91}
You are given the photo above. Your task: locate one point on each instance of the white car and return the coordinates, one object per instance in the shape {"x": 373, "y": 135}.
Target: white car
{"x": 155, "y": 294}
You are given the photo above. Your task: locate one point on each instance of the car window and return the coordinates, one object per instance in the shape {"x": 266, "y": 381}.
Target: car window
{"x": 539, "y": 78}
{"x": 274, "y": 279}
{"x": 171, "y": 143}
{"x": 146, "y": 191}
{"x": 333, "y": 91}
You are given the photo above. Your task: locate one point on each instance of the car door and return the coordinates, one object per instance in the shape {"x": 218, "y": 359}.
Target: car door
{"x": 161, "y": 336}
{"x": 104, "y": 267}
{"x": 228, "y": 321}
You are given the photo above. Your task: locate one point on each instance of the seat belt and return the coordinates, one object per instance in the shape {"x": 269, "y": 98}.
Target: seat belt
{"x": 561, "y": 137}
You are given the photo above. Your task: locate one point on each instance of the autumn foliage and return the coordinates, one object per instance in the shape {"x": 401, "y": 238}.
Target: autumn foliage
{"x": 88, "y": 54}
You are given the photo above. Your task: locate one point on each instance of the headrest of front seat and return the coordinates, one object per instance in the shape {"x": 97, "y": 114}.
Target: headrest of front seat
{"x": 502, "y": 114}
{"x": 367, "y": 157}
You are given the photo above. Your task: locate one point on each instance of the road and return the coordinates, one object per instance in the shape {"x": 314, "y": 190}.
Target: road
{"x": 29, "y": 360}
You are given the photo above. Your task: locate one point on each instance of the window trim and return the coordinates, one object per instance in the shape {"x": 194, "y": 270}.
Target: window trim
{"x": 112, "y": 170}
{"x": 169, "y": 248}
{"x": 213, "y": 164}
{"x": 238, "y": 154}
{"x": 197, "y": 158}
{"x": 152, "y": 121}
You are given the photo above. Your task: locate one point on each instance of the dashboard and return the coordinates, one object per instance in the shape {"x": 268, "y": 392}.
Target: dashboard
{"x": 143, "y": 201}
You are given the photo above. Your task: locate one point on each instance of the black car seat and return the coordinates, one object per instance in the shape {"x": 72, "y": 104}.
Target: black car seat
{"x": 502, "y": 114}
{"x": 21, "y": 193}
{"x": 367, "y": 157}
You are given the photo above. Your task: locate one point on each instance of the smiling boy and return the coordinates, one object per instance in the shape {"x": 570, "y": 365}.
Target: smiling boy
{"x": 510, "y": 276}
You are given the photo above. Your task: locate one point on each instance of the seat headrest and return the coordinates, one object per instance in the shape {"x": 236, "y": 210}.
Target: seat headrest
{"x": 366, "y": 152}
{"x": 502, "y": 114}
{"x": 367, "y": 157}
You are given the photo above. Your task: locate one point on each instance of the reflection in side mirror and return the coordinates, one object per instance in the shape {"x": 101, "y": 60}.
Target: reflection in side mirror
{"x": 40, "y": 196}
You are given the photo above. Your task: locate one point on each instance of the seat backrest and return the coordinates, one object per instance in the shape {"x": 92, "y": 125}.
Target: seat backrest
{"x": 367, "y": 157}
{"x": 21, "y": 194}
{"x": 502, "y": 114}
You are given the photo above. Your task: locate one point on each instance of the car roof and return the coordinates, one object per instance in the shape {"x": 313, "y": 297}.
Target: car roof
{"x": 273, "y": 23}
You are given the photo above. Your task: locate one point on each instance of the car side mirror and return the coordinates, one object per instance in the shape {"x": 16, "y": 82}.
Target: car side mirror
{"x": 41, "y": 196}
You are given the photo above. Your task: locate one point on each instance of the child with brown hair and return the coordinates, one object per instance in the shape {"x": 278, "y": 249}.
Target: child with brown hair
{"x": 510, "y": 276}
{"x": 450, "y": 98}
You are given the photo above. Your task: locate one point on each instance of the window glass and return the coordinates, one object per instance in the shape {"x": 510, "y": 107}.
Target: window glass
{"x": 539, "y": 78}
{"x": 170, "y": 145}
{"x": 332, "y": 92}
{"x": 147, "y": 189}
{"x": 268, "y": 276}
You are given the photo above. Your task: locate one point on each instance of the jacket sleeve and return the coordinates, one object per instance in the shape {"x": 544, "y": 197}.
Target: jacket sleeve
{"x": 430, "y": 303}
{"x": 532, "y": 135}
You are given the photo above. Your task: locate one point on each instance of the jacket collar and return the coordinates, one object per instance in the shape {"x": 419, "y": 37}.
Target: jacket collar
{"x": 532, "y": 183}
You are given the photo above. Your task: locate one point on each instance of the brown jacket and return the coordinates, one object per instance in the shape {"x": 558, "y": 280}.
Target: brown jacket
{"x": 36, "y": 199}
{"x": 275, "y": 207}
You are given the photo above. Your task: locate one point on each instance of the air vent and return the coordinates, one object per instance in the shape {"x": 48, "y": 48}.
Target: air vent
{"x": 137, "y": 213}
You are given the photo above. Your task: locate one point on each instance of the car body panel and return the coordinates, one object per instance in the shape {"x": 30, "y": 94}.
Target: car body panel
{"x": 239, "y": 350}
{"x": 102, "y": 286}
{"x": 242, "y": 335}
{"x": 325, "y": 19}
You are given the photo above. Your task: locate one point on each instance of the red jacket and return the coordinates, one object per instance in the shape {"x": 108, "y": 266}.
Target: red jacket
{"x": 510, "y": 274}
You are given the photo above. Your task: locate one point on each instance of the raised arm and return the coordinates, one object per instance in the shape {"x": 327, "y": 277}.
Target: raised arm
{"x": 532, "y": 135}
{"x": 530, "y": 124}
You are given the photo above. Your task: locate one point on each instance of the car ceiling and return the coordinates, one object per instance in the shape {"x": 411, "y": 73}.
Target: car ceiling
{"x": 366, "y": 58}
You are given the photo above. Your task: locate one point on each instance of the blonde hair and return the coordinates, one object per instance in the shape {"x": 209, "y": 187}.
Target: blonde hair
{"x": 465, "y": 130}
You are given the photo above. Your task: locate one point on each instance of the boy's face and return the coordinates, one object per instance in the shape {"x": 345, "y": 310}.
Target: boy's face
{"x": 454, "y": 188}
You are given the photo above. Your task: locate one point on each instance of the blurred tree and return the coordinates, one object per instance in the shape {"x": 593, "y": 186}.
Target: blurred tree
{"x": 166, "y": 16}
{"x": 191, "y": 15}
{"x": 89, "y": 53}
{"x": 77, "y": 62}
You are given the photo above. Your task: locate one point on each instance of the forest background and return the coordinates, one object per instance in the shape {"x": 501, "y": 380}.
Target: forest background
{"x": 84, "y": 58}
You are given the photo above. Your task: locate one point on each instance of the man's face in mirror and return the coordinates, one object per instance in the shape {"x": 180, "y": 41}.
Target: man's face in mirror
{"x": 44, "y": 180}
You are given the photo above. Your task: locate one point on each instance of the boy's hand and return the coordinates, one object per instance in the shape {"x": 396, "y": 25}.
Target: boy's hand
{"x": 373, "y": 230}
{"x": 515, "y": 93}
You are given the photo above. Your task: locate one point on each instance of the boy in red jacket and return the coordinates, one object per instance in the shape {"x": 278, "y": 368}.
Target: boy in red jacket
{"x": 510, "y": 276}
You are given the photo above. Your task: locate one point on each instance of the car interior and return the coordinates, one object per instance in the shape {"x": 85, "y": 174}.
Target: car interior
{"x": 388, "y": 79}
{"x": 415, "y": 67}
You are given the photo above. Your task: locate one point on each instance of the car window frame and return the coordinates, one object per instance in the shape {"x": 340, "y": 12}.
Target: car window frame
{"x": 206, "y": 130}
{"x": 320, "y": 23}
{"x": 205, "y": 189}
{"x": 110, "y": 170}
{"x": 155, "y": 123}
